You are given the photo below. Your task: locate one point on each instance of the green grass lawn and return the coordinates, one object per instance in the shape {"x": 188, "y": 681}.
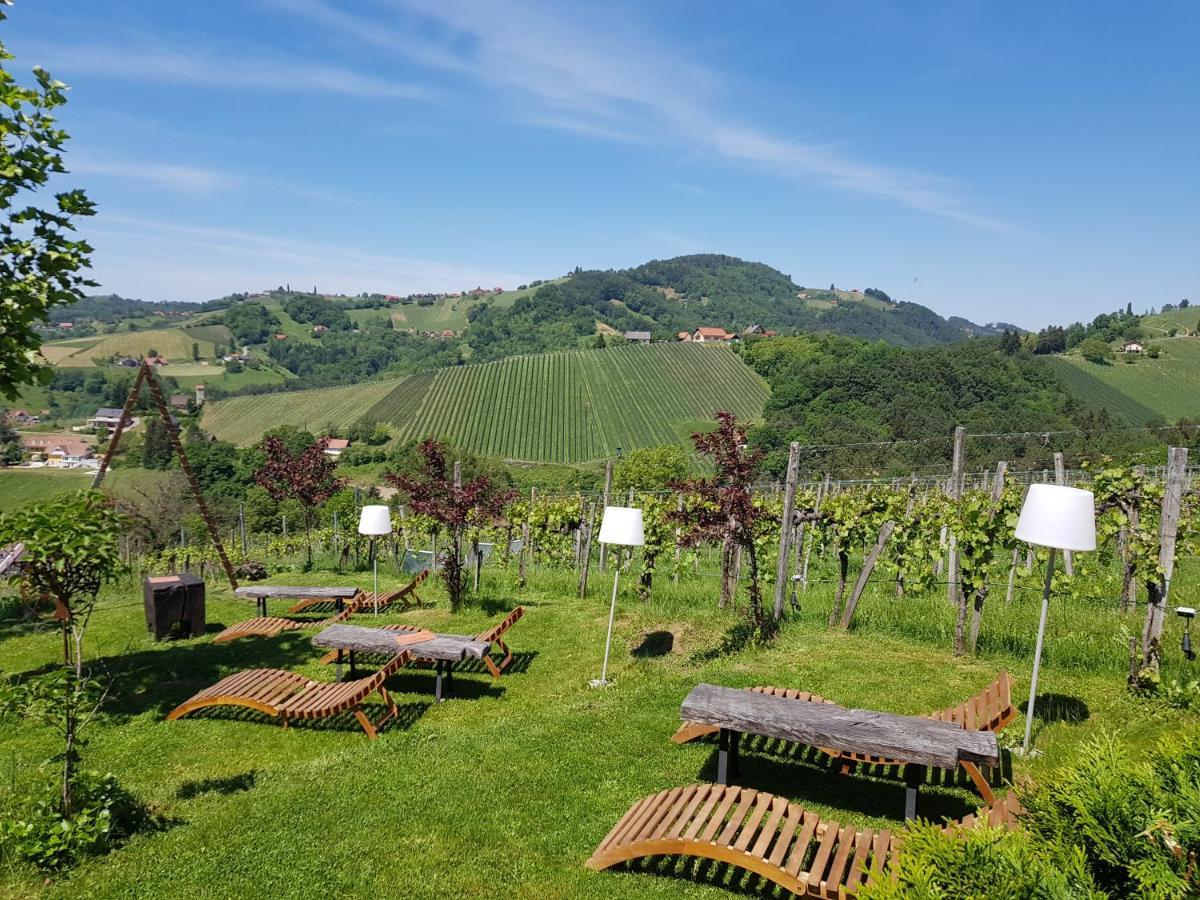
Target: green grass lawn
{"x": 21, "y": 486}
{"x": 509, "y": 786}
{"x": 1146, "y": 389}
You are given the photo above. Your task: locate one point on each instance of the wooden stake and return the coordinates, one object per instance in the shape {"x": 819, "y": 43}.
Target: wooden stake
{"x": 785, "y": 527}
{"x": 608, "y": 475}
{"x": 587, "y": 549}
{"x": 955, "y": 493}
{"x": 868, "y": 565}
{"x": 1060, "y": 478}
{"x": 1176, "y": 478}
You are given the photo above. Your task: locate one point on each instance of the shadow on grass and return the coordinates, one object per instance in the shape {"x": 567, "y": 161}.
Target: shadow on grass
{"x": 520, "y": 664}
{"x": 806, "y": 775}
{"x": 654, "y": 644}
{"x": 231, "y": 784}
{"x": 1050, "y": 708}
{"x": 495, "y": 606}
{"x": 406, "y": 716}
{"x": 707, "y": 872}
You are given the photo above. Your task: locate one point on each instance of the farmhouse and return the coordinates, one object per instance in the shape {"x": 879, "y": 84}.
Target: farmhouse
{"x": 280, "y": 336}
{"x": 335, "y": 446}
{"x": 712, "y": 335}
{"x": 22, "y": 417}
{"x": 156, "y": 361}
{"x": 320, "y": 329}
{"x": 1132, "y": 347}
{"x": 179, "y": 401}
{"x": 60, "y": 452}
{"x": 685, "y": 336}
{"x": 640, "y": 337}
{"x": 106, "y": 417}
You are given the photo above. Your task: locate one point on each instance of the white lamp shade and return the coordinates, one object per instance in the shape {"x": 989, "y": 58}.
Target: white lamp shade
{"x": 375, "y": 520}
{"x": 1058, "y": 516}
{"x": 622, "y": 525}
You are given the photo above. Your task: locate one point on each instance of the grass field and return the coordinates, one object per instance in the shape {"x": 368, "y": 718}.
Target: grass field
{"x": 510, "y": 785}
{"x": 213, "y": 334}
{"x": 566, "y": 407}
{"x": 172, "y": 343}
{"x": 447, "y": 313}
{"x": 1142, "y": 391}
{"x": 21, "y": 486}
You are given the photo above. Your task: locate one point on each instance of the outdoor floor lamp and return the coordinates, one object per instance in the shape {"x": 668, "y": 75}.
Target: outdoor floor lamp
{"x": 375, "y": 521}
{"x": 622, "y": 526}
{"x": 1060, "y": 518}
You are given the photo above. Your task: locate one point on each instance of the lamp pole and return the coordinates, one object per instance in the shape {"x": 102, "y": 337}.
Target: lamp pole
{"x": 1037, "y": 653}
{"x": 612, "y": 613}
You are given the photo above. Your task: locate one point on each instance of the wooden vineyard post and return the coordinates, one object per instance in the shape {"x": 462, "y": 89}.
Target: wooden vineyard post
{"x": 529, "y": 542}
{"x": 1168, "y": 529}
{"x": 822, "y": 493}
{"x": 955, "y": 493}
{"x": 868, "y": 565}
{"x": 586, "y": 528}
{"x": 524, "y": 553}
{"x": 608, "y": 474}
{"x": 625, "y": 554}
{"x": 1060, "y": 478}
{"x": 1128, "y": 582}
{"x": 786, "y": 527}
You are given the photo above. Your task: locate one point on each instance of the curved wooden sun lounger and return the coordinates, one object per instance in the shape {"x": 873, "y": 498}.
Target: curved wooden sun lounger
{"x": 493, "y": 635}
{"x": 405, "y": 596}
{"x": 288, "y": 695}
{"x": 989, "y": 710}
{"x": 269, "y": 626}
{"x": 762, "y": 833}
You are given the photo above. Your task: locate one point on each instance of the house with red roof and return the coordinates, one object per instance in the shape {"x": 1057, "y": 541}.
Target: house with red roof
{"x": 705, "y": 335}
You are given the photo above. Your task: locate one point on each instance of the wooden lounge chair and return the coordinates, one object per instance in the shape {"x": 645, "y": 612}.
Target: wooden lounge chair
{"x": 269, "y": 626}
{"x": 405, "y": 596}
{"x": 762, "y": 833}
{"x": 989, "y": 710}
{"x": 494, "y": 635}
{"x": 288, "y": 695}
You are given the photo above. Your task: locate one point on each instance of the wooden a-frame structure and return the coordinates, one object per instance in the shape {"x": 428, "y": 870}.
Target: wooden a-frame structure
{"x": 146, "y": 376}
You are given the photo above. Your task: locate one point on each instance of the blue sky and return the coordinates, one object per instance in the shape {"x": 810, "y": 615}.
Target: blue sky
{"x": 1023, "y": 162}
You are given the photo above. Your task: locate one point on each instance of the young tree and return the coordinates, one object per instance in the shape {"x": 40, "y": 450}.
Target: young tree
{"x": 725, "y": 510}
{"x": 306, "y": 476}
{"x": 457, "y": 507}
{"x": 71, "y": 551}
{"x": 40, "y": 263}
{"x": 157, "y": 451}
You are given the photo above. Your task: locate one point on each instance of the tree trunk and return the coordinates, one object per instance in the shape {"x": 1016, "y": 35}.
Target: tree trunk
{"x": 843, "y": 569}
{"x": 726, "y": 570}
{"x": 977, "y": 615}
{"x": 960, "y": 644}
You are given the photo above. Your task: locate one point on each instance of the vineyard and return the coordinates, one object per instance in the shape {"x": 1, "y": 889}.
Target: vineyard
{"x": 171, "y": 343}
{"x": 573, "y": 406}
{"x": 1141, "y": 390}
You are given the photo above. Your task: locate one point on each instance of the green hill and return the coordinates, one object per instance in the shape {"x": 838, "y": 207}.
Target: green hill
{"x": 565, "y": 407}
{"x": 1136, "y": 387}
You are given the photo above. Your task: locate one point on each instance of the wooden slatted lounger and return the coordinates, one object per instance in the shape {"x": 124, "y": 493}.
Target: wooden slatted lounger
{"x": 494, "y": 635}
{"x": 269, "y": 626}
{"x": 989, "y": 710}
{"x": 405, "y": 596}
{"x": 289, "y": 695}
{"x": 764, "y": 834}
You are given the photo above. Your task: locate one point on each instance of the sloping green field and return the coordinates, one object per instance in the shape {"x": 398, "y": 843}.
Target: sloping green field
{"x": 566, "y": 407}
{"x": 171, "y": 343}
{"x": 1147, "y": 389}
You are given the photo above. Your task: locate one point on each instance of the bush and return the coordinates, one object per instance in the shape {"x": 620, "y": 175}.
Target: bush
{"x": 1136, "y": 823}
{"x": 980, "y": 862}
{"x": 33, "y": 831}
{"x": 251, "y": 570}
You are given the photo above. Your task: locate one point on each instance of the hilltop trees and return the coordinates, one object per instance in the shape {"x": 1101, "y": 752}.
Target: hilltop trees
{"x": 40, "y": 261}
{"x": 251, "y": 323}
{"x": 1095, "y": 350}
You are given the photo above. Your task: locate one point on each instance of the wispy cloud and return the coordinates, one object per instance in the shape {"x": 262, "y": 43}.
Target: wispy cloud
{"x": 196, "y": 179}
{"x": 609, "y": 80}
{"x": 236, "y": 259}
{"x": 177, "y": 66}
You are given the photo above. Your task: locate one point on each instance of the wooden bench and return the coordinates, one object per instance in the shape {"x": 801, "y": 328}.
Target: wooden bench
{"x": 989, "y": 710}
{"x": 270, "y": 626}
{"x": 494, "y": 635}
{"x": 764, "y": 834}
{"x": 288, "y": 695}
{"x": 405, "y": 596}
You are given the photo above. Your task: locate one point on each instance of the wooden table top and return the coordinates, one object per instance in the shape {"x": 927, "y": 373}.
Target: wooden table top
{"x": 911, "y": 739}
{"x": 293, "y": 592}
{"x": 389, "y": 642}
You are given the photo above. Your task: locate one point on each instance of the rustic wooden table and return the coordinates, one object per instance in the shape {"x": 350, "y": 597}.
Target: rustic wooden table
{"x": 263, "y": 592}
{"x": 444, "y": 650}
{"x": 919, "y": 742}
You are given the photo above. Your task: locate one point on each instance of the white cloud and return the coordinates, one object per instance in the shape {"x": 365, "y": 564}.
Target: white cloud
{"x": 175, "y": 66}
{"x": 192, "y": 179}
{"x": 606, "y": 78}
{"x": 136, "y": 256}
